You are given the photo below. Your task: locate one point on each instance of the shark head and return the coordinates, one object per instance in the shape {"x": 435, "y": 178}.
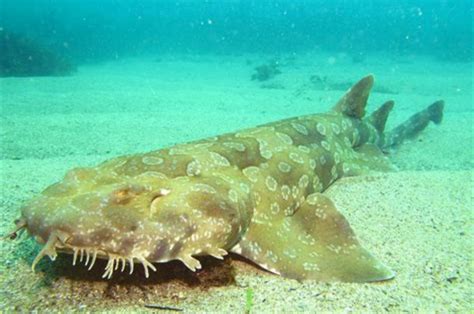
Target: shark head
{"x": 95, "y": 213}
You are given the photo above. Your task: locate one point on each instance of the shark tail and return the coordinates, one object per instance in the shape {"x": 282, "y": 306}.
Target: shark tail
{"x": 414, "y": 125}
{"x": 435, "y": 112}
{"x": 354, "y": 102}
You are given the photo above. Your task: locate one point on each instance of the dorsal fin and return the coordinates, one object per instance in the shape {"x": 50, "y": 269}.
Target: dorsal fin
{"x": 378, "y": 118}
{"x": 354, "y": 101}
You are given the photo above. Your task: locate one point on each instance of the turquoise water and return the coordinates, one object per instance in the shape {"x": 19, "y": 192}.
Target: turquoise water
{"x": 82, "y": 82}
{"x": 88, "y": 31}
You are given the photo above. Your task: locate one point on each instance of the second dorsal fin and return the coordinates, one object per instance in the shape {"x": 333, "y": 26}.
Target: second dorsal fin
{"x": 354, "y": 101}
{"x": 378, "y": 118}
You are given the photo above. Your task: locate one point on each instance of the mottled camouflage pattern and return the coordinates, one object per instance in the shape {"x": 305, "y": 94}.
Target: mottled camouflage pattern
{"x": 257, "y": 192}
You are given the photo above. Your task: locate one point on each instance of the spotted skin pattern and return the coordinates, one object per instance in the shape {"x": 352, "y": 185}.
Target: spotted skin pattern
{"x": 258, "y": 192}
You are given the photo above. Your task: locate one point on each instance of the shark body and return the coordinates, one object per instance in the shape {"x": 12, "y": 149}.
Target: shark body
{"x": 258, "y": 192}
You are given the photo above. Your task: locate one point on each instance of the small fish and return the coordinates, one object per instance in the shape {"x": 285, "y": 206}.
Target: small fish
{"x": 258, "y": 192}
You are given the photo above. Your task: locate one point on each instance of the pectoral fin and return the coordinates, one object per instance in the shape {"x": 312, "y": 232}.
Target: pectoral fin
{"x": 315, "y": 243}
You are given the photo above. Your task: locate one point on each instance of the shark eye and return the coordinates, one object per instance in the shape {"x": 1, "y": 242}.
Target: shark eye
{"x": 124, "y": 194}
{"x": 121, "y": 193}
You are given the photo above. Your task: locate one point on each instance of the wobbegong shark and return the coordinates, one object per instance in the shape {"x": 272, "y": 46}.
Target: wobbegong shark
{"x": 259, "y": 193}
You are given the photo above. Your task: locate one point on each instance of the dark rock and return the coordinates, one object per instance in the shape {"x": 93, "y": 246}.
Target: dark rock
{"x": 21, "y": 56}
{"x": 265, "y": 72}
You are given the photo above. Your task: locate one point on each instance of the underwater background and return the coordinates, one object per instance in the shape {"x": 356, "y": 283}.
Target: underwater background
{"x": 92, "y": 31}
{"x": 84, "y": 81}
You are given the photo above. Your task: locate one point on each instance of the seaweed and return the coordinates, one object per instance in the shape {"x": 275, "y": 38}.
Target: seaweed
{"x": 22, "y": 56}
{"x": 249, "y": 296}
{"x": 265, "y": 72}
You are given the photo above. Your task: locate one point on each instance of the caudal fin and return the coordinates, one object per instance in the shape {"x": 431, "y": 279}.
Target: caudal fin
{"x": 436, "y": 111}
{"x": 415, "y": 124}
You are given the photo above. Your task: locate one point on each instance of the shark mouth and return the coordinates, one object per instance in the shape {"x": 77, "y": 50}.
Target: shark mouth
{"x": 57, "y": 242}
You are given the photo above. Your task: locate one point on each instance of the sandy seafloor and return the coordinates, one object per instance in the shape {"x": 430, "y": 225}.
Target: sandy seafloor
{"x": 418, "y": 220}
